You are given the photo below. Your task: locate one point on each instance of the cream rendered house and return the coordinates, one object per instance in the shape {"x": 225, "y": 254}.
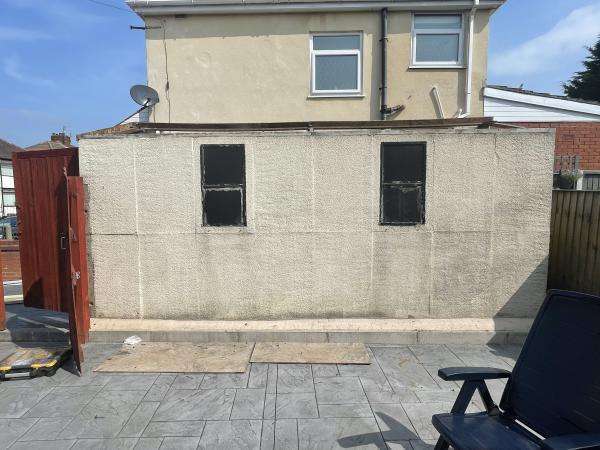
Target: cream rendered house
{"x": 217, "y": 61}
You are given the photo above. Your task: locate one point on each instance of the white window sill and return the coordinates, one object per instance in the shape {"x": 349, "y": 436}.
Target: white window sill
{"x": 436, "y": 66}
{"x": 317, "y": 96}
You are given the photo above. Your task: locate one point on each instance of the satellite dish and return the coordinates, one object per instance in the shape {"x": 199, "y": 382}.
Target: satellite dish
{"x": 143, "y": 95}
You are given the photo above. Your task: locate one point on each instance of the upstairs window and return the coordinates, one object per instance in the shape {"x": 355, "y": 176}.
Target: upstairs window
{"x": 402, "y": 184}
{"x": 437, "y": 40}
{"x": 223, "y": 185}
{"x": 336, "y": 64}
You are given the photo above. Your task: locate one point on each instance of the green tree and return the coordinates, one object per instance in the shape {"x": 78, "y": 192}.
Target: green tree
{"x": 585, "y": 85}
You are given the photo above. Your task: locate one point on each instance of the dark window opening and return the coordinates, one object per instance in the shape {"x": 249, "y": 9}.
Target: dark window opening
{"x": 402, "y": 184}
{"x": 223, "y": 185}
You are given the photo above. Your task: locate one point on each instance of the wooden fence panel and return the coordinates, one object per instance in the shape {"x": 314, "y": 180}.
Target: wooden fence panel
{"x": 575, "y": 241}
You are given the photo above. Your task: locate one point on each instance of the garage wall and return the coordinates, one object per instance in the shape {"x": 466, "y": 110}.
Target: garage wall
{"x": 313, "y": 247}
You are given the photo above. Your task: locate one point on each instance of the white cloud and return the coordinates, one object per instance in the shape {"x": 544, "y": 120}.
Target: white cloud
{"x": 547, "y": 51}
{"x": 21, "y": 34}
{"x": 12, "y": 68}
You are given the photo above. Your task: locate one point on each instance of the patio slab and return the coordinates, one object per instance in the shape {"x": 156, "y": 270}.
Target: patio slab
{"x": 270, "y": 406}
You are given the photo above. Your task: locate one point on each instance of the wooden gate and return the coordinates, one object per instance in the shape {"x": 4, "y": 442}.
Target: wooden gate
{"x": 51, "y": 218}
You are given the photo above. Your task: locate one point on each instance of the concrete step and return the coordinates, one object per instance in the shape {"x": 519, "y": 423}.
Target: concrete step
{"x": 370, "y": 331}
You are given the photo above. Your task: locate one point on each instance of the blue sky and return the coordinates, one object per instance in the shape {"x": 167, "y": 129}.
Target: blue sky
{"x": 71, "y": 62}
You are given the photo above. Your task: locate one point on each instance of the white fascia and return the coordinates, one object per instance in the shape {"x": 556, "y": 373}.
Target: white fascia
{"x": 174, "y": 7}
{"x": 548, "y": 102}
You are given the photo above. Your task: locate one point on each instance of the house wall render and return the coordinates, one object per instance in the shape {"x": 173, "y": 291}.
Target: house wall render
{"x": 313, "y": 247}
{"x": 256, "y": 68}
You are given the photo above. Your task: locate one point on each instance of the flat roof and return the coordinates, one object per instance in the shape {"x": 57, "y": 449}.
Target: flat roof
{"x": 153, "y": 127}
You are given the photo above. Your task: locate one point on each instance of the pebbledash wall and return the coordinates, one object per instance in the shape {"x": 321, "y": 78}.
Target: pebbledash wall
{"x": 313, "y": 247}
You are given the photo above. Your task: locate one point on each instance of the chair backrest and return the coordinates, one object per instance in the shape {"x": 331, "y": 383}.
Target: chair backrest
{"x": 555, "y": 385}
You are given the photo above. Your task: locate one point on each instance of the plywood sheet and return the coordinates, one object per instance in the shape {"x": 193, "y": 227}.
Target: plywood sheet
{"x": 179, "y": 357}
{"x": 314, "y": 353}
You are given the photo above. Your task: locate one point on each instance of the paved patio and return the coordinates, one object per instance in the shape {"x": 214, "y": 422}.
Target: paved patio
{"x": 387, "y": 404}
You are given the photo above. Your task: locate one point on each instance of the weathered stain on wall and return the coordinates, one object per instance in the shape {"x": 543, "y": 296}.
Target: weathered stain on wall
{"x": 313, "y": 247}
{"x": 256, "y": 68}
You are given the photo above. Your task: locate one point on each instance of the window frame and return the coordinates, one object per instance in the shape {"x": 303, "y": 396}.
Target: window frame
{"x": 402, "y": 184}
{"x": 205, "y": 187}
{"x": 314, "y": 92}
{"x": 438, "y": 64}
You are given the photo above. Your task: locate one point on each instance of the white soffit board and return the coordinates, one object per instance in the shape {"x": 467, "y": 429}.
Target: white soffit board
{"x": 509, "y": 106}
{"x": 171, "y": 7}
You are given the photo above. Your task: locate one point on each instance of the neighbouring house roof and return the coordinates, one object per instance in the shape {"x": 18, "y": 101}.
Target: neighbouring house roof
{"x": 509, "y": 104}
{"x": 57, "y": 141}
{"x": 170, "y": 7}
{"x": 151, "y": 127}
{"x": 7, "y": 149}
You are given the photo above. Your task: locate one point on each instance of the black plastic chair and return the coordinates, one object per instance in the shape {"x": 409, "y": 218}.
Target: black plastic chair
{"x": 552, "y": 398}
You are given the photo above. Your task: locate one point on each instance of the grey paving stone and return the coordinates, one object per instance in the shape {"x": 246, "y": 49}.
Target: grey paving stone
{"x": 272, "y": 379}
{"x": 371, "y": 376}
{"x": 435, "y": 355}
{"x": 231, "y": 435}
{"x": 131, "y": 382}
{"x": 44, "y": 445}
{"x": 423, "y": 444}
{"x": 64, "y": 401}
{"x": 187, "y": 381}
{"x": 286, "y": 434}
{"x": 391, "y": 356}
{"x": 104, "y": 416}
{"x": 213, "y": 404}
{"x": 399, "y": 445}
{"x": 267, "y": 437}
{"x": 409, "y": 376}
{"x": 478, "y": 355}
{"x": 269, "y": 411}
{"x": 398, "y": 396}
{"x": 12, "y": 429}
{"x": 148, "y": 444}
{"x": 180, "y": 443}
{"x": 323, "y": 434}
{"x": 325, "y": 370}
{"x": 296, "y": 405}
{"x": 103, "y": 444}
{"x": 15, "y": 402}
{"x": 224, "y": 380}
{"x": 432, "y": 370}
{"x": 87, "y": 378}
{"x": 97, "y": 352}
{"x": 258, "y": 375}
{"x": 248, "y": 404}
{"x": 437, "y": 395}
{"x": 420, "y": 416}
{"x": 339, "y": 390}
{"x": 136, "y": 424}
{"x": 393, "y": 422}
{"x": 294, "y": 378}
{"x": 182, "y": 428}
{"x": 347, "y": 410}
{"x": 46, "y": 429}
{"x": 160, "y": 387}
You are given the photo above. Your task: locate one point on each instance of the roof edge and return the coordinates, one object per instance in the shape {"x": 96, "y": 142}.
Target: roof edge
{"x": 145, "y": 8}
{"x": 150, "y": 127}
{"x": 542, "y": 99}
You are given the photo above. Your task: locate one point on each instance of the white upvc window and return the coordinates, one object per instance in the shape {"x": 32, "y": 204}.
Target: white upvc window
{"x": 437, "y": 40}
{"x": 336, "y": 64}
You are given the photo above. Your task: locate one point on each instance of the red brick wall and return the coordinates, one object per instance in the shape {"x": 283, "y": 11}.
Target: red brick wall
{"x": 11, "y": 263}
{"x": 575, "y": 138}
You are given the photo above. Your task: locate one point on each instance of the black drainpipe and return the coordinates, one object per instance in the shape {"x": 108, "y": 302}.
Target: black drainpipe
{"x": 383, "y": 88}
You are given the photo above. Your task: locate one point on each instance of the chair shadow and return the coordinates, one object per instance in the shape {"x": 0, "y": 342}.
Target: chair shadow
{"x": 377, "y": 438}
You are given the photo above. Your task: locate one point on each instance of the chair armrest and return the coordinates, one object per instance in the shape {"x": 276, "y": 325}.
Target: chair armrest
{"x": 572, "y": 442}
{"x": 472, "y": 373}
